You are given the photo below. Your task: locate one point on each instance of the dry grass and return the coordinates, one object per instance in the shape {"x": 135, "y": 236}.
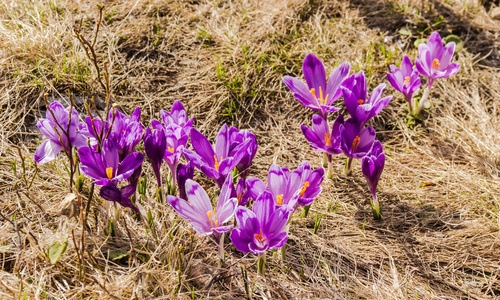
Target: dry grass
{"x": 225, "y": 60}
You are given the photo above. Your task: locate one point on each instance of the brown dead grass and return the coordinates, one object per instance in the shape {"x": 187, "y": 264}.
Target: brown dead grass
{"x": 439, "y": 240}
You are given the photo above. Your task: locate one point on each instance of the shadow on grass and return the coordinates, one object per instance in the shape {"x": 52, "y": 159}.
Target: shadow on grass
{"x": 390, "y": 18}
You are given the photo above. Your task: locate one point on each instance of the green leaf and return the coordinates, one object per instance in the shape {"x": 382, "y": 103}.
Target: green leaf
{"x": 404, "y": 31}
{"x": 5, "y": 249}
{"x": 117, "y": 254}
{"x": 56, "y": 250}
{"x": 419, "y": 41}
{"x": 459, "y": 44}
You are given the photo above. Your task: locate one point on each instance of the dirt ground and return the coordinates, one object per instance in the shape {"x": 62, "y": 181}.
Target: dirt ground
{"x": 225, "y": 60}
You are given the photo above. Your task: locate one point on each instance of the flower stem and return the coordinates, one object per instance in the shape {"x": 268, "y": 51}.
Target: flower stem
{"x": 283, "y": 252}
{"x": 221, "y": 250}
{"x": 325, "y": 159}
{"x": 261, "y": 264}
{"x": 410, "y": 99}
{"x": 283, "y": 248}
{"x": 347, "y": 167}
{"x": 329, "y": 174}
{"x": 159, "y": 195}
{"x": 305, "y": 211}
{"x": 376, "y": 209}
{"x": 422, "y": 101}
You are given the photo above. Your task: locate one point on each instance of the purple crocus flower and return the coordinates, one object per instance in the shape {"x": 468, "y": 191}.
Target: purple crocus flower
{"x": 238, "y": 137}
{"x": 289, "y": 189}
{"x": 93, "y": 129}
{"x": 122, "y": 196}
{"x": 241, "y": 192}
{"x": 155, "y": 145}
{"x": 318, "y": 94}
{"x": 254, "y": 187}
{"x": 219, "y": 163}
{"x": 199, "y": 211}
{"x": 405, "y": 80}
{"x": 176, "y": 139}
{"x": 57, "y": 114}
{"x": 285, "y": 192}
{"x": 125, "y": 131}
{"x": 177, "y": 117}
{"x": 184, "y": 172}
{"x": 435, "y": 60}
{"x": 356, "y": 142}
{"x": 310, "y": 182}
{"x": 176, "y": 143}
{"x": 105, "y": 167}
{"x": 359, "y": 107}
{"x": 372, "y": 166}
{"x": 133, "y": 180}
{"x": 262, "y": 228}
{"x": 321, "y": 138}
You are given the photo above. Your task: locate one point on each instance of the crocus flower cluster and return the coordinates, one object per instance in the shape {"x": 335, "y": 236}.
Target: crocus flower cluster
{"x": 351, "y": 137}
{"x": 111, "y": 155}
{"x": 264, "y": 227}
{"x": 107, "y": 151}
{"x": 288, "y": 189}
{"x": 434, "y": 62}
{"x": 106, "y": 148}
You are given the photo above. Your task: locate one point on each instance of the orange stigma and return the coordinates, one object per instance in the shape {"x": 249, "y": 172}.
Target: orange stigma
{"x": 435, "y": 64}
{"x": 259, "y": 237}
{"x": 279, "y": 199}
{"x": 304, "y": 188}
{"x": 171, "y": 149}
{"x": 239, "y": 197}
{"x": 321, "y": 100}
{"x": 355, "y": 143}
{"x": 217, "y": 162}
{"x": 109, "y": 172}
{"x": 209, "y": 215}
{"x": 407, "y": 80}
{"x": 328, "y": 139}
{"x": 361, "y": 101}
{"x": 313, "y": 92}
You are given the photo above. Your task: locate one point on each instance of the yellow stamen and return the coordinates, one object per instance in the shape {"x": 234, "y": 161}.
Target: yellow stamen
{"x": 170, "y": 149}
{"x": 355, "y": 143}
{"x": 407, "y": 80}
{"x": 279, "y": 199}
{"x": 435, "y": 64}
{"x": 259, "y": 237}
{"x": 321, "y": 96}
{"x": 109, "y": 172}
{"x": 322, "y": 100}
{"x": 328, "y": 139}
{"x": 217, "y": 162}
{"x": 361, "y": 101}
{"x": 304, "y": 188}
